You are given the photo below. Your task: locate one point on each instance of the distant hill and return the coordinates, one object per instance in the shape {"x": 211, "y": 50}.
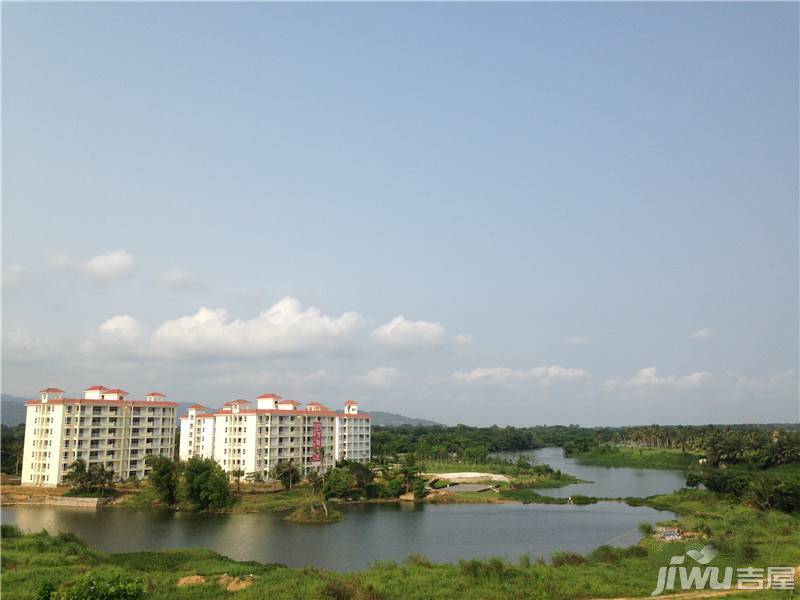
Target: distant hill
{"x": 387, "y": 419}
{"x": 12, "y": 409}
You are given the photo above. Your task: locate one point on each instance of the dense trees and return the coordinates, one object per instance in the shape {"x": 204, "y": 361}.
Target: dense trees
{"x": 205, "y": 484}
{"x": 93, "y": 480}
{"x": 11, "y": 446}
{"x": 163, "y": 477}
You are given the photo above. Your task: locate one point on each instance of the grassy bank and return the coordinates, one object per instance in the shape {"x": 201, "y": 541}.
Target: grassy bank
{"x": 744, "y": 537}
{"x": 640, "y": 458}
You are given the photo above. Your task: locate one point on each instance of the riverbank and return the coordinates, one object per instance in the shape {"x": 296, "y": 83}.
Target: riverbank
{"x": 637, "y": 458}
{"x": 744, "y": 537}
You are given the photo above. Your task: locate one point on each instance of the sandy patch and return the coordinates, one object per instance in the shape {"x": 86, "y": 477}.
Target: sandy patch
{"x": 234, "y": 584}
{"x": 191, "y": 580}
{"x": 468, "y": 476}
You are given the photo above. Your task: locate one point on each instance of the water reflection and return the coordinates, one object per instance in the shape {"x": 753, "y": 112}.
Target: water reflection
{"x": 368, "y": 533}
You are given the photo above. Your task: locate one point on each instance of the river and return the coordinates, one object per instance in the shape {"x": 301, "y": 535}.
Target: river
{"x": 371, "y": 532}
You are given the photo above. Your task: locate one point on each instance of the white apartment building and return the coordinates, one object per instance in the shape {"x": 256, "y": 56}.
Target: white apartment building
{"x": 255, "y": 438}
{"x": 102, "y": 427}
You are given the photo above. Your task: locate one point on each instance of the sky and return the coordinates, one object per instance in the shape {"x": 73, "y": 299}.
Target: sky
{"x": 511, "y": 214}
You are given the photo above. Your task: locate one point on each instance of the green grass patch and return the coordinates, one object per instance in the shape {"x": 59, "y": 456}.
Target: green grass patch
{"x": 639, "y": 458}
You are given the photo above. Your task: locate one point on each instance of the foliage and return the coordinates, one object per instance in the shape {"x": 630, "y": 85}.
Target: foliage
{"x": 163, "y": 477}
{"x": 103, "y": 586}
{"x": 12, "y": 440}
{"x": 287, "y": 473}
{"x": 205, "y": 484}
{"x": 94, "y": 480}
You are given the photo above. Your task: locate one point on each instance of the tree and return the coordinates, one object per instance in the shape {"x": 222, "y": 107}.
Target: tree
{"x": 286, "y": 473}
{"x": 100, "y": 477}
{"x": 77, "y": 476}
{"x": 315, "y": 481}
{"x": 237, "y": 474}
{"x": 205, "y": 484}
{"x": 163, "y": 477}
{"x": 408, "y": 471}
{"x": 341, "y": 483}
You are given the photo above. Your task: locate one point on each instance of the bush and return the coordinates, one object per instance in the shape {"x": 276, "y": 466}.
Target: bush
{"x": 561, "y": 559}
{"x": 102, "y": 586}
{"x": 10, "y": 531}
{"x": 646, "y": 529}
{"x": 418, "y": 560}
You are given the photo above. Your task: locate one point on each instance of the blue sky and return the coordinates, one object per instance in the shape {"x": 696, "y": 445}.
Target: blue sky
{"x": 583, "y": 213}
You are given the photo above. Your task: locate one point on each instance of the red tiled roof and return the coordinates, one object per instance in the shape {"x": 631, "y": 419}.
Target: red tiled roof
{"x": 156, "y": 394}
{"x": 350, "y": 402}
{"x": 196, "y": 406}
{"x": 52, "y": 390}
{"x": 295, "y": 402}
{"x": 270, "y": 395}
{"x": 95, "y": 388}
{"x": 232, "y": 402}
{"x": 118, "y": 391}
{"x": 106, "y": 401}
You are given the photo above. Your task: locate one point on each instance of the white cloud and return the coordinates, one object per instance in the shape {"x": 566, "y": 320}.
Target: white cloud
{"x": 122, "y": 327}
{"x": 284, "y": 328}
{"x": 179, "y": 279}
{"x": 544, "y": 376}
{"x": 379, "y": 377}
{"x": 579, "y": 340}
{"x": 702, "y": 334}
{"x": 12, "y": 275}
{"x": 19, "y": 346}
{"x": 109, "y": 267}
{"x": 463, "y": 339}
{"x": 649, "y": 378}
{"x": 403, "y": 334}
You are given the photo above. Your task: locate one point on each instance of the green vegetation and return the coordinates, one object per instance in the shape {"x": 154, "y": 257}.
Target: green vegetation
{"x": 205, "y": 485}
{"x": 12, "y": 440}
{"x": 639, "y": 458}
{"x": 743, "y": 535}
{"x": 315, "y": 512}
{"x": 93, "y": 481}
{"x": 164, "y": 477}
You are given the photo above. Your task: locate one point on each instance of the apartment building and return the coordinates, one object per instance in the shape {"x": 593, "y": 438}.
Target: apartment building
{"x": 254, "y": 438}
{"x": 102, "y": 427}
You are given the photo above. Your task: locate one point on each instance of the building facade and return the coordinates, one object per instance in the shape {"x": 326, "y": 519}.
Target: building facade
{"x": 102, "y": 427}
{"x": 253, "y": 439}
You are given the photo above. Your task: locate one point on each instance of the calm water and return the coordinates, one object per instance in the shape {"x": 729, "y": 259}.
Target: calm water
{"x": 373, "y": 532}
{"x": 369, "y": 532}
{"x": 608, "y": 482}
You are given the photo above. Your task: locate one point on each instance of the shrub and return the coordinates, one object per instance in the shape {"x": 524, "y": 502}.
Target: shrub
{"x": 646, "y": 529}
{"x": 10, "y": 531}
{"x": 418, "y": 560}
{"x": 561, "y": 559}
{"x": 103, "y": 586}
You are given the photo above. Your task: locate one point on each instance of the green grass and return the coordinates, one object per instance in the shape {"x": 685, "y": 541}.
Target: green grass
{"x": 744, "y": 536}
{"x": 315, "y": 512}
{"x": 246, "y": 501}
{"x": 641, "y": 458}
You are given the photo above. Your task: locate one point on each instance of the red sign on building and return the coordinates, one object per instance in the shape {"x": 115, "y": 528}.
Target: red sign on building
{"x": 316, "y": 442}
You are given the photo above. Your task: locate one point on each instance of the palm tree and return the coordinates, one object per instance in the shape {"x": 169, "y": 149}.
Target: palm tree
{"x": 77, "y": 476}
{"x": 238, "y": 474}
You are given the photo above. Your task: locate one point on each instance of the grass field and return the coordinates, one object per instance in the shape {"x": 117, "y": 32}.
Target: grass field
{"x": 744, "y": 537}
{"x": 643, "y": 458}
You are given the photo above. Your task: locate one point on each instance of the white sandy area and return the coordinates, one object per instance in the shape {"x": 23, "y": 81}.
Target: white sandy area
{"x": 468, "y": 475}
